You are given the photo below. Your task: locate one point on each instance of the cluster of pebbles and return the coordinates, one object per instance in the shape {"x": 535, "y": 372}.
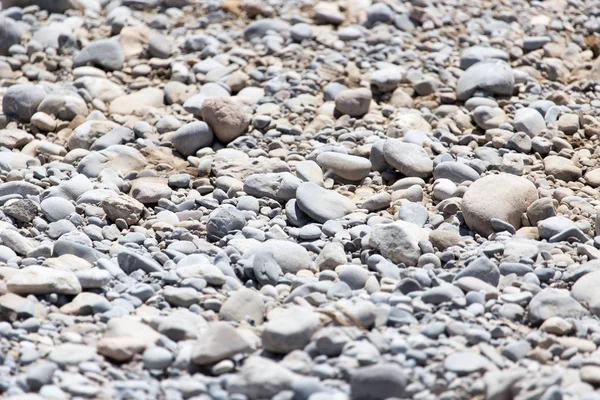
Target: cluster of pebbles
{"x": 299, "y": 200}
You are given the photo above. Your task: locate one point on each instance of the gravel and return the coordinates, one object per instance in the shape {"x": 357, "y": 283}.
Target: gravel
{"x": 324, "y": 200}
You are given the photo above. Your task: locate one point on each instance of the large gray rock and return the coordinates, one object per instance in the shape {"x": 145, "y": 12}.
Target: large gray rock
{"x": 192, "y": 137}
{"x": 408, "y": 158}
{"x": 21, "y": 101}
{"x": 378, "y": 382}
{"x": 291, "y": 257}
{"x": 502, "y": 196}
{"x": 585, "y": 290}
{"x": 290, "y": 330}
{"x": 10, "y": 33}
{"x": 481, "y": 268}
{"x": 261, "y": 378}
{"x": 493, "y": 76}
{"x": 354, "y": 102}
{"x": 223, "y": 220}
{"x": 529, "y": 121}
{"x": 398, "y": 241}
{"x": 554, "y": 303}
{"x": 322, "y": 204}
{"x": 280, "y": 186}
{"x": 64, "y": 104}
{"x": 220, "y": 341}
{"x": 103, "y": 53}
{"x": 243, "y": 305}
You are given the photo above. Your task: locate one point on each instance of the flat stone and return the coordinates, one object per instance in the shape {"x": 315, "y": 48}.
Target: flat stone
{"x": 410, "y": 159}
{"x": 321, "y": 204}
{"x": 42, "y": 280}
{"x": 220, "y": 341}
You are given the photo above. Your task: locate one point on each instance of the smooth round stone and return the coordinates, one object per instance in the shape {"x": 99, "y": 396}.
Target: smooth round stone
{"x": 592, "y": 177}
{"x": 301, "y": 32}
{"x": 410, "y": 159}
{"x": 157, "y": 358}
{"x": 56, "y": 208}
{"x": 353, "y": 275}
{"x": 455, "y": 171}
{"x": 21, "y": 101}
{"x": 349, "y": 33}
{"x": 192, "y": 137}
{"x": 345, "y": 166}
{"x": 309, "y": 171}
{"x": 502, "y": 196}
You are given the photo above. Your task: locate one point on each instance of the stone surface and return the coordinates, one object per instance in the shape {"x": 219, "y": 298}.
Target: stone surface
{"x": 503, "y": 196}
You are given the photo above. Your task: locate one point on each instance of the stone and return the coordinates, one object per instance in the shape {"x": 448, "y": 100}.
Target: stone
{"x": 192, "y": 137}
{"x": 130, "y": 262}
{"x": 10, "y": 33}
{"x": 398, "y": 241}
{"x": 289, "y": 256}
{"x": 562, "y": 168}
{"x": 243, "y": 305}
{"x": 21, "y": 101}
{"x": 56, "y": 208}
{"x": 121, "y": 159}
{"x": 137, "y": 102}
{"x": 354, "y": 102}
{"x": 502, "y": 196}
{"x": 220, "y": 341}
{"x": 261, "y": 378}
{"x": 227, "y": 119}
{"x": 378, "y": 382}
{"x": 280, "y": 186}
{"x": 23, "y": 210}
{"x": 464, "y": 363}
{"x": 224, "y": 220}
{"x": 103, "y": 53}
{"x": 493, "y": 76}
{"x": 120, "y": 348}
{"x": 290, "y": 330}
{"x": 554, "y": 303}
{"x": 63, "y": 104}
{"x": 529, "y": 121}
{"x": 149, "y": 190}
{"x": 42, "y": 280}
{"x": 122, "y": 207}
{"x": 157, "y": 358}
{"x": 482, "y": 268}
{"x": 455, "y": 172}
{"x": 322, "y": 204}
{"x": 68, "y": 354}
{"x": 410, "y": 159}
{"x": 345, "y": 166}
{"x": 475, "y": 54}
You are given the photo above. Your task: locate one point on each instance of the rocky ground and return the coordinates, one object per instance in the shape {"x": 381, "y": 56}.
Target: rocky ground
{"x": 299, "y": 200}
